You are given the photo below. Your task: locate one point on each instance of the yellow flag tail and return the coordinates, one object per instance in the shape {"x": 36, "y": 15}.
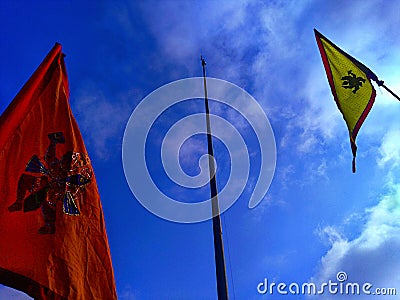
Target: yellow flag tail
{"x": 350, "y": 83}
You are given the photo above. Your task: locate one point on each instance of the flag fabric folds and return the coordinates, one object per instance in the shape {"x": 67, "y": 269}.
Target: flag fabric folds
{"x": 53, "y": 240}
{"x": 350, "y": 83}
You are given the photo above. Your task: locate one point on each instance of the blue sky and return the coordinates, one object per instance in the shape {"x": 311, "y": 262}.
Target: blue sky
{"x": 317, "y": 218}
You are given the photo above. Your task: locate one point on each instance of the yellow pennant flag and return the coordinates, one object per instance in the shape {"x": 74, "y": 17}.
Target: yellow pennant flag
{"x": 350, "y": 82}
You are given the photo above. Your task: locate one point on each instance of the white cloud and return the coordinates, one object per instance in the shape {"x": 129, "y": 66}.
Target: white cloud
{"x": 390, "y": 149}
{"x": 191, "y": 27}
{"x": 371, "y": 257}
{"x": 102, "y": 120}
{"x": 269, "y": 203}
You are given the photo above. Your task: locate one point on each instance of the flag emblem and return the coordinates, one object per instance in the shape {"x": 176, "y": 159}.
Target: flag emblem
{"x": 351, "y": 81}
{"x": 51, "y": 180}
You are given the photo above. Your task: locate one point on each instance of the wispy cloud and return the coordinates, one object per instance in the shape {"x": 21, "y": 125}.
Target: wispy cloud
{"x": 390, "y": 150}
{"x": 102, "y": 119}
{"x": 370, "y": 257}
{"x": 128, "y": 293}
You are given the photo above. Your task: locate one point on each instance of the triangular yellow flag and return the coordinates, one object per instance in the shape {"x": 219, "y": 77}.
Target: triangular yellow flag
{"x": 350, "y": 82}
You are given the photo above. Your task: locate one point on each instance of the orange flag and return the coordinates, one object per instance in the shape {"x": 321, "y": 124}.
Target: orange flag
{"x": 53, "y": 241}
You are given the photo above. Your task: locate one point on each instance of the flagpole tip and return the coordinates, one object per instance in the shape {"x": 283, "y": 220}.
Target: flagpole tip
{"x": 203, "y": 61}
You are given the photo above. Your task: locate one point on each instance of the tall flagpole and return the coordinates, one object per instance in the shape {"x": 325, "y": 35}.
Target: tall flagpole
{"x": 222, "y": 285}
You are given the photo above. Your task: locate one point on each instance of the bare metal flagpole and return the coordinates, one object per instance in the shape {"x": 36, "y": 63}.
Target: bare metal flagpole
{"x": 222, "y": 284}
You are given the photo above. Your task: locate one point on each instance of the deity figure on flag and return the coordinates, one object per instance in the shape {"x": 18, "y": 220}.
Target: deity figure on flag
{"x": 54, "y": 180}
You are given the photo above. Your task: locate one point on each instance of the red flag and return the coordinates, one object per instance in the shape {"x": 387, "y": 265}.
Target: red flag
{"x": 53, "y": 240}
